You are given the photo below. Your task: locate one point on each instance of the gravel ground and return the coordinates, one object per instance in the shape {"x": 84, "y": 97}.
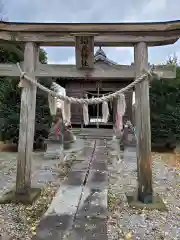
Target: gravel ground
{"x": 19, "y": 221}
{"x": 127, "y": 223}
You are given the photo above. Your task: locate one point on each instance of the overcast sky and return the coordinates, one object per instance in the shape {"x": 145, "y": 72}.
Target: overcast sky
{"x": 97, "y": 11}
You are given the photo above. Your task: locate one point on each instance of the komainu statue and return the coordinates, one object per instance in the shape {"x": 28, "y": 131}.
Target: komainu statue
{"x": 128, "y": 136}
{"x": 61, "y": 130}
{"x": 60, "y": 135}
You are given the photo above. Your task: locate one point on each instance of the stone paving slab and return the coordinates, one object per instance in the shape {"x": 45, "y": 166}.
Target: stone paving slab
{"x": 97, "y": 179}
{"x": 100, "y": 165}
{"x": 94, "y": 205}
{"x": 75, "y": 178}
{"x": 80, "y": 166}
{"x": 89, "y": 229}
{"x": 66, "y": 200}
{"x": 98, "y": 175}
{"x": 53, "y": 227}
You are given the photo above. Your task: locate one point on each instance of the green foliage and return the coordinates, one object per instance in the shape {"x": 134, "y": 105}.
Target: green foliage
{"x": 42, "y": 56}
{"x": 10, "y": 97}
{"x": 165, "y": 109}
{"x": 43, "y": 117}
{"x": 11, "y": 53}
{"x": 10, "y": 108}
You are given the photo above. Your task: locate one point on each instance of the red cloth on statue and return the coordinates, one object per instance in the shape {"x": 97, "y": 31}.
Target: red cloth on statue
{"x": 118, "y": 121}
{"x": 57, "y": 128}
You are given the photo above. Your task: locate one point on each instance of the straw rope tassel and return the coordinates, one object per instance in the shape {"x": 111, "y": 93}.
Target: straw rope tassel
{"x": 52, "y": 104}
{"x": 85, "y": 113}
{"x": 121, "y": 108}
{"x": 67, "y": 112}
{"x": 105, "y": 111}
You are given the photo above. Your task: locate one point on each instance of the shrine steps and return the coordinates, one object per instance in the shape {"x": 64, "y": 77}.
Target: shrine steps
{"x": 94, "y": 133}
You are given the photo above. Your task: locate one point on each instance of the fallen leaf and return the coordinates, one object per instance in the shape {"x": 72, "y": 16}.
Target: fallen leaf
{"x": 128, "y": 236}
{"x": 33, "y": 228}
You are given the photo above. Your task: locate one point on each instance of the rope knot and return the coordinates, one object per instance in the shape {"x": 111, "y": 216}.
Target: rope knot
{"x": 22, "y": 75}
{"x": 150, "y": 73}
{"x": 155, "y": 74}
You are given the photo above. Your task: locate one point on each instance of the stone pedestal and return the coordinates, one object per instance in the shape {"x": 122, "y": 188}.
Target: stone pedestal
{"x": 68, "y": 139}
{"x": 56, "y": 144}
{"x": 127, "y": 138}
{"x": 54, "y": 149}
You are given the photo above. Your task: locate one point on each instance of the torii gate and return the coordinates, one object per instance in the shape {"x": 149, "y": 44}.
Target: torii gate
{"x": 84, "y": 37}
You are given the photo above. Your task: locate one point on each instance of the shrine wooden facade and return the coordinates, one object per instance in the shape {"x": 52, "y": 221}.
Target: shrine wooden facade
{"x": 79, "y": 87}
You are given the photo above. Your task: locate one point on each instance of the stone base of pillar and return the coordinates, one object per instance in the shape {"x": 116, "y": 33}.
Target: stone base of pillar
{"x": 157, "y": 202}
{"x": 28, "y": 197}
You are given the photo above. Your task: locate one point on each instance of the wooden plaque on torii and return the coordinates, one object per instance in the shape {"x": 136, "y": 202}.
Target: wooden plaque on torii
{"x": 84, "y": 48}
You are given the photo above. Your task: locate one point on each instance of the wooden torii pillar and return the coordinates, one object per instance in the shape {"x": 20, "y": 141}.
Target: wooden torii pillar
{"x": 143, "y": 129}
{"x": 27, "y": 122}
{"x": 24, "y": 193}
{"x": 144, "y": 197}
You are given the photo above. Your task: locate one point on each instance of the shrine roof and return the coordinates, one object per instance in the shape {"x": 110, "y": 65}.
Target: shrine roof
{"x": 101, "y": 56}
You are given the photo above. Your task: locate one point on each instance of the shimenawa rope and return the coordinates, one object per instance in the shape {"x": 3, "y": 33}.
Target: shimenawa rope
{"x": 89, "y": 101}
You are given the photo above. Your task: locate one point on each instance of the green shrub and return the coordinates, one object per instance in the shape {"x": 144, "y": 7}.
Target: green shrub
{"x": 165, "y": 111}
{"x": 10, "y": 98}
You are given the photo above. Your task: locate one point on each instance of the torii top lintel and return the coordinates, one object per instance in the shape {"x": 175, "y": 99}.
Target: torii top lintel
{"x": 105, "y": 34}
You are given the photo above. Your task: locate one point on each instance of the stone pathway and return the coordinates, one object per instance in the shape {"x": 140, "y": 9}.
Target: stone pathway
{"x": 79, "y": 209}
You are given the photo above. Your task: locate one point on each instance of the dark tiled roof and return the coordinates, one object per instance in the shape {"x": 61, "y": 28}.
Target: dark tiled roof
{"x": 101, "y": 56}
{"x": 100, "y": 52}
